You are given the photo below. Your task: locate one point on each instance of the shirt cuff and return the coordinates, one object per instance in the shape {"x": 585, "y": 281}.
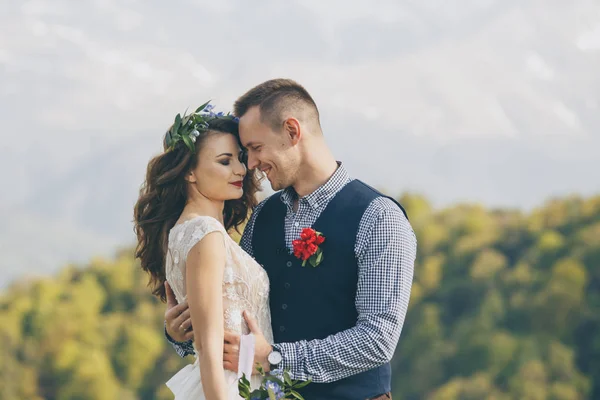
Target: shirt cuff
{"x": 289, "y": 361}
{"x": 170, "y": 339}
{"x": 182, "y": 348}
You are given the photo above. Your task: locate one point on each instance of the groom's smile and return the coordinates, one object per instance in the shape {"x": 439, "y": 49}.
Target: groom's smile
{"x": 266, "y": 170}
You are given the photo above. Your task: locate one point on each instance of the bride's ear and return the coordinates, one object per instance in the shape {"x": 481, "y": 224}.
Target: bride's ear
{"x": 190, "y": 177}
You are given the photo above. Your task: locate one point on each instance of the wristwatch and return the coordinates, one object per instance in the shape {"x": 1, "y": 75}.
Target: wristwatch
{"x": 274, "y": 358}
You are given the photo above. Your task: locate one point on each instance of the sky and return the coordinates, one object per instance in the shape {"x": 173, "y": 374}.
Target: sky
{"x": 494, "y": 102}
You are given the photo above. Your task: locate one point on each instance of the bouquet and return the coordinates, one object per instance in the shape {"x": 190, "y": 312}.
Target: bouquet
{"x": 275, "y": 386}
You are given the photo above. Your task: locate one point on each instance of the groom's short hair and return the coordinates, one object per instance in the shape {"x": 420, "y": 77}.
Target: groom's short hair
{"x": 273, "y": 98}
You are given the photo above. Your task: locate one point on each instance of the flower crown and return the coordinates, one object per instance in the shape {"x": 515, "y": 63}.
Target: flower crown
{"x": 189, "y": 127}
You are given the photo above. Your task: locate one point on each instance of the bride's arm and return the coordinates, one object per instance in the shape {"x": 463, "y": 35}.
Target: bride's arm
{"x": 204, "y": 276}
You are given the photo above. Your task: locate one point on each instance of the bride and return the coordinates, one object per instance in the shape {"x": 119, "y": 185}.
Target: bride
{"x": 194, "y": 193}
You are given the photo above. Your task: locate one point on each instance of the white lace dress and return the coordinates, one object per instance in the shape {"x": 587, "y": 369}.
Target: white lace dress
{"x": 245, "y": 287}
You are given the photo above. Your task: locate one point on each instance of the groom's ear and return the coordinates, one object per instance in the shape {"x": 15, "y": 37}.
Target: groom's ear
{"x": 291, "y": 127}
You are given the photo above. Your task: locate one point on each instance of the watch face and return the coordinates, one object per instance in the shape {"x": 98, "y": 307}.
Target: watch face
{"x": 274, "y": 358}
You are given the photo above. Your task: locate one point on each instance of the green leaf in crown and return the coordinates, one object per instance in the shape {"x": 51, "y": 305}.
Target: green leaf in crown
{"x": 188, "y": 127}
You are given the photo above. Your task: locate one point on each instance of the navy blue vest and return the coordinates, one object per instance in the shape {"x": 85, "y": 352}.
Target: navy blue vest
{"x": 312, "y": 303}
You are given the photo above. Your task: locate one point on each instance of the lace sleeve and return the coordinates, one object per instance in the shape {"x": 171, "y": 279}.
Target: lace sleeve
{"x": 198, "y": 228}
{"x": 181, "y": 241}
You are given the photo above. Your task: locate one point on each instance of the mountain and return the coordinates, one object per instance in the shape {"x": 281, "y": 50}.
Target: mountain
{"x": 480, "y": 100}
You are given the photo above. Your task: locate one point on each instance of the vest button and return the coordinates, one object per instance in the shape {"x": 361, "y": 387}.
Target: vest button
{"x": 289, "y": 263}
{"x": 287, "y": 285}
{"x": 282, "y": 328}
{"x": 284, "y": 306}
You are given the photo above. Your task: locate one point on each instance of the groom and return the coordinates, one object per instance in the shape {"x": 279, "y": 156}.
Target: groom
{"x": 338, "y": 323}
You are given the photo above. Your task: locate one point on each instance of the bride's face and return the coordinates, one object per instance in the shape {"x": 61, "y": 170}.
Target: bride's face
{"x": 219, "y": 173}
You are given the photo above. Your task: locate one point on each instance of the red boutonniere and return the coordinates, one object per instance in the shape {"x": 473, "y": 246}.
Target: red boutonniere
{"x": 307, "y": 247}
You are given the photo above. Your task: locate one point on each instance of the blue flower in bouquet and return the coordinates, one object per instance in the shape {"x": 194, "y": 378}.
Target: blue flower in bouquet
{"x": 277, "y": 373}
{"x": 276, "y": 384}
{"x": 277, "y": 390}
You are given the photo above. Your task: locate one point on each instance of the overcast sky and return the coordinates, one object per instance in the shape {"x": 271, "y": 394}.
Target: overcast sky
{"x": 485, "y": 101}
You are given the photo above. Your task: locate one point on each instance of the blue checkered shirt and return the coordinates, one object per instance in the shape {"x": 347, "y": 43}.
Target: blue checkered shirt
{"x": 385, "y": 248}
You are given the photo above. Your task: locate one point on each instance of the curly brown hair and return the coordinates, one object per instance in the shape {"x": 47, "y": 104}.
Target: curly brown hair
{"x": 164, "y": 194}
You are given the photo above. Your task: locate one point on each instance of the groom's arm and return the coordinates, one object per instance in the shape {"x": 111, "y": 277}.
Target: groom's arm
{"x": 386, "y": 250}
{"x": 177, "y": 318}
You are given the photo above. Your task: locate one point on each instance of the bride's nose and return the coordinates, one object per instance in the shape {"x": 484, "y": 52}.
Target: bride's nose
{"x": 240, "y": 170}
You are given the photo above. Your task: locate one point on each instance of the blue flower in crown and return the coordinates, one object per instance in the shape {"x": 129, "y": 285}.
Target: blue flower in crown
{"x": 188, "y": 128}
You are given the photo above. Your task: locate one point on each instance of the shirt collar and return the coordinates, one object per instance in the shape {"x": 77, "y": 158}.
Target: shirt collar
{"x": 325, "y": 192}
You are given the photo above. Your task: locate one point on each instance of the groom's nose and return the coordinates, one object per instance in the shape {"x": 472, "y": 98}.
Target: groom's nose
{"x": 252, "y": 161}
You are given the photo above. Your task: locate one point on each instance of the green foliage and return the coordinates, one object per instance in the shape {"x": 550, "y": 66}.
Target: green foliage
{"x": 90, "y": 333}
{"x": 504, "y": 306}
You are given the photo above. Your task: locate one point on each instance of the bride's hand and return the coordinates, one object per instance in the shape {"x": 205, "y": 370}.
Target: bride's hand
{"x": 231, "y": 348}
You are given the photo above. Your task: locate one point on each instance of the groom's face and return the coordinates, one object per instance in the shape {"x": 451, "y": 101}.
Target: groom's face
{"x": 268, "y": 150}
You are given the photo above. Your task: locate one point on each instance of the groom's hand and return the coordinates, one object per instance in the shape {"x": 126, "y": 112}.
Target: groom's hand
{"x": 177, "y": 316}
{"x": 231, "y": 349}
